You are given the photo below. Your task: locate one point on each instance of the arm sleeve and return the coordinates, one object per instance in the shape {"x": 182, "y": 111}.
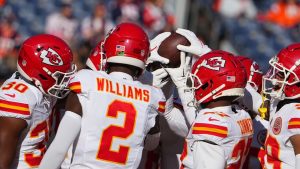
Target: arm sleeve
{"x": 207, "y": 156}
{"x": 177, "y": 122}
{"x": 187, "y": 98}
{"x": 67, "y": 132}
{"x": 68, "y": 159}
{"x": 180, "y": 120}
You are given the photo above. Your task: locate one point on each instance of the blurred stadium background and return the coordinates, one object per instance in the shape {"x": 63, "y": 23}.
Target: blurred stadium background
{"x": 253, "y": 28}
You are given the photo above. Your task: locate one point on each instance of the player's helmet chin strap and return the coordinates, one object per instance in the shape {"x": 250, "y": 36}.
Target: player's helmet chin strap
{"x": 211, "y": 93}
{"x": 60, "y": 88}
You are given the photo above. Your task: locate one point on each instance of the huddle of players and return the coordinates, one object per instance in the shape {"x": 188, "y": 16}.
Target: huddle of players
{"x": 111, "y": 116}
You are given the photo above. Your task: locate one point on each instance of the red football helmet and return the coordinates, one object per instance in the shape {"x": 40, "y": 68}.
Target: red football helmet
{"x": 217, "y": 74}
{"x": 96, "y": 60}
{"x": 46, "y": 60}
{"x": 127, "y": 43}
{"x": 283, "y": 77}
{"x": 254, "y": 74}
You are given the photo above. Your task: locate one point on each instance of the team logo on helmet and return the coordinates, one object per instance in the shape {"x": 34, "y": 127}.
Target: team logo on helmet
{"x": 51, "y": 57}
{"x": 214, "y": 63}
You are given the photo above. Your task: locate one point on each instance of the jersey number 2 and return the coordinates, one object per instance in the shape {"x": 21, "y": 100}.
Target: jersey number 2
{"x": 105, "y": 152}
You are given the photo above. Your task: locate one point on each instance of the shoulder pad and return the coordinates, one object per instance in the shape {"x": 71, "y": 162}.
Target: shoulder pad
{"x": 211, "y": 126}
{"x": 17, "y": 98}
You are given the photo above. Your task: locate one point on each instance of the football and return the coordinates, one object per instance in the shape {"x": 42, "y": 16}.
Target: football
{"x": 168, "y": 49}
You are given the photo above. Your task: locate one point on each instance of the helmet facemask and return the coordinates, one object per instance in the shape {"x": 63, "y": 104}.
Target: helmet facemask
{"x": 103, "y": 57}
{"x": 277, "y": 78}
{"x": 60, "y": 88}
{"x": 254, "y": 71}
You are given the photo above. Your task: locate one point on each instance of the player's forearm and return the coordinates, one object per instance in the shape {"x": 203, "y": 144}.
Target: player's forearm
{"x": 4, "y": 163}
{"x": 7, "y": 158}
{"x": 177, "y": 122}
{"x": 67, "y": 132}
{"x": 10, "y": 132}
{"x": 187, "y": 98}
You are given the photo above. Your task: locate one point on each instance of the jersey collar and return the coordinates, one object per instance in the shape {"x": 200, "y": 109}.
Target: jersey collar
{"x": 222, "y": 109}
{"x": 121, "y": 75}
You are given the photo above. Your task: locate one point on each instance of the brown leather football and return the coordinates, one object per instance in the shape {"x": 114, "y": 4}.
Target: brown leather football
{"x": 168, "y": 49}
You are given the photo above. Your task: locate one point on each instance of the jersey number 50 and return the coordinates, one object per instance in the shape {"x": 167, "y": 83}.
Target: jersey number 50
{"x": 105, "y": 152}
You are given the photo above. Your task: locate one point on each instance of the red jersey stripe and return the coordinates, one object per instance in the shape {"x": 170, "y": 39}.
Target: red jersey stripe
{"x": 14, "y": 111}
{"x": 23, "y": 105}
{"x": 210, "y": 126}
{"x": 209, "y": 133}
{"x": 293, "y": 126}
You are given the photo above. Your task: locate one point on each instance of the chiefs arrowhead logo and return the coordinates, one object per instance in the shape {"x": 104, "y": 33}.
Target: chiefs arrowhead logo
{"x": 214, "y": 63}
{"x": 51, "y": 57}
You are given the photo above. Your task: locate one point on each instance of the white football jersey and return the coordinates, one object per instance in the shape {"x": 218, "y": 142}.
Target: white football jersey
{"x": 19, "y": 99}
{"x": 117, "y": 115}
{"x": 284, "y": 123}
{"x": 230, "y": 129}
{"x": 171, "y": 146}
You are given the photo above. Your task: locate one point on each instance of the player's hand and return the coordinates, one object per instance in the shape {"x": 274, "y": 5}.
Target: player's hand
{"x": 159, "y": 76}
{"x": 179, "y": 75}
{"x": 197, "y": 47}
{"x": 154, "y": 45}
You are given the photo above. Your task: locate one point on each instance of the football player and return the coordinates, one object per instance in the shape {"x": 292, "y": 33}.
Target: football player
{"x": 179, "y": 121}
{"x": 171, "y": 144}
{"x": 220, "y": 136}
{"x": 111, "y": 112}
{"x": 44, "y": 68}
{"x": 282, "y": 83}
{"x": 96, "y": 60}
{"x": 251, "y": 102}
{"x": 176, "y": 122}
